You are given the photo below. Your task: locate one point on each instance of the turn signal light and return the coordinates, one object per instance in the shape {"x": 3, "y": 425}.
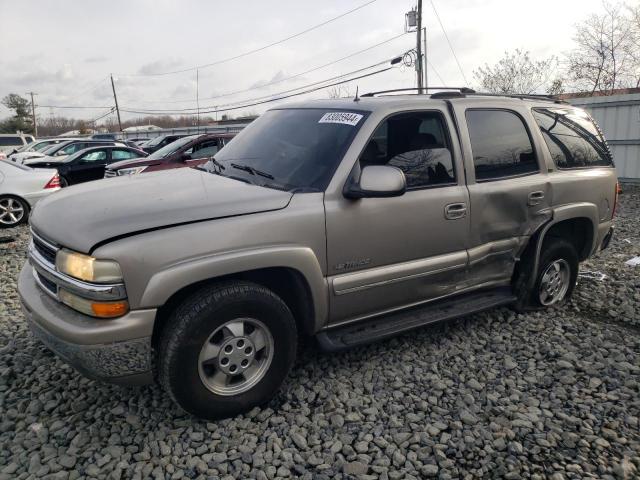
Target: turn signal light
{"x": 54, "y": 182}
{"x": 109, "y": 310}
{"x": 93, "y": 308}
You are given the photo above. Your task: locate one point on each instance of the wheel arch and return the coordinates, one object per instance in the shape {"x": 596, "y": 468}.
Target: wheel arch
{"x": 289, "y": 284}
{"x": 292, "y": 272}
{"x": 576, "y": 223}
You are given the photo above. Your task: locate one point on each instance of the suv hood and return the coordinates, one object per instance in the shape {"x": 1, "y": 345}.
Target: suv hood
{"x": 81, "y": 216}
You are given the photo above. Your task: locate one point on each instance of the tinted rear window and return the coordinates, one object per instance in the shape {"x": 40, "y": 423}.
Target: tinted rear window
{"x": 573, "y": 138}
{"x": 10, "y": 141}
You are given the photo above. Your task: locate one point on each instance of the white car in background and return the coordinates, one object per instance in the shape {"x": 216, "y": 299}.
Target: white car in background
{"x": 38, "y": 146}
{"x": 21, "y": 187}
{"x": 12, "y": 141}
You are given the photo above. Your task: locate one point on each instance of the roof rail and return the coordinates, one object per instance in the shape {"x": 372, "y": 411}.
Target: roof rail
{"x": 452, "y": 92}
{"x": 522, "y": 96}
{"x": 462, "y": 90}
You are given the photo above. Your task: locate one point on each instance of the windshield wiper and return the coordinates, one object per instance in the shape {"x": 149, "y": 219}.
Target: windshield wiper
{"x": 252, "y": 171}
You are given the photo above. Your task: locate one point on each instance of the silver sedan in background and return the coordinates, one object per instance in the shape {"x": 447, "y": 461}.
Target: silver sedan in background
{"x": 20, "y": 189}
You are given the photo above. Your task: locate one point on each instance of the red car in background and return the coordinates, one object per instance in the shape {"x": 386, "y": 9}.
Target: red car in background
{"x": 189, "y": 151}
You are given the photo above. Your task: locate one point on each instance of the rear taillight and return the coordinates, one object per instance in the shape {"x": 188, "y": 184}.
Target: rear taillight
{"x": 615, "y": 199}
{"x": 54, "y": 182}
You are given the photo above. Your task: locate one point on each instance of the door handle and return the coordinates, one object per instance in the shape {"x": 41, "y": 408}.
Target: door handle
{"x": 453, "y": 211}
{"x": 535, "y": 198}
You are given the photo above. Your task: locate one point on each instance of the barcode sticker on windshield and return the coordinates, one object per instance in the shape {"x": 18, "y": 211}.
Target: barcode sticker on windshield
{"x": 345, "y": 118}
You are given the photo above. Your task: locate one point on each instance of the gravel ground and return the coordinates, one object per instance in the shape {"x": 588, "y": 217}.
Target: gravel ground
{"x": 499, "y": 395}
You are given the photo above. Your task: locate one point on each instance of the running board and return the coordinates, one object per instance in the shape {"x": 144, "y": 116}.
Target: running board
{"x": 386, "y": 326}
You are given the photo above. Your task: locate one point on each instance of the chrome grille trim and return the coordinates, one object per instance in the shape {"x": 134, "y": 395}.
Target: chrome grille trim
{"x": 92, "y": 291}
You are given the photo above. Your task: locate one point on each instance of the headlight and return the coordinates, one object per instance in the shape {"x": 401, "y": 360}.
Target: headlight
{"x": 131, "y": 171}
{"x": 84, "y": 267}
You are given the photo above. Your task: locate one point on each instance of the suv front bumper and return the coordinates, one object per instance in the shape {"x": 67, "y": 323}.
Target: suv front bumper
{"x": 116, "y": 350}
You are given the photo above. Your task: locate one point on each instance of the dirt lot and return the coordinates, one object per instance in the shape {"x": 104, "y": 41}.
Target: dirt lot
{"x": 497, "y": 395}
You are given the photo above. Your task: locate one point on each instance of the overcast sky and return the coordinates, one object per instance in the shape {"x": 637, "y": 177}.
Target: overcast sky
{"x": 65, "y": 50}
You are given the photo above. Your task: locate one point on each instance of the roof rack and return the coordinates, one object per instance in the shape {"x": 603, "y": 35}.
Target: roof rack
{"x": 462, "y": 90}
{"x": 453, "y": 92}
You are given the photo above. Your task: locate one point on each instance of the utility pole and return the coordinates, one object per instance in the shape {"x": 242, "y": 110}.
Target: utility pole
{"x": 115, "y": 98}
{"x": 424, "y": 65}
{"x": 33, "y": 113}
{"x": 419, "y": 62}
{"x": 198, "y": 96}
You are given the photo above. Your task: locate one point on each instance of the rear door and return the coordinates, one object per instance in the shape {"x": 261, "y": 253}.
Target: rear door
{"x": 390, "y": 253}
{"x": 509, "y": 189}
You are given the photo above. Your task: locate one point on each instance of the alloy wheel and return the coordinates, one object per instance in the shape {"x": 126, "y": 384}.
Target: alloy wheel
{"x": 11, "y": 211}
{"x": 554, "y": 283}
{"x": 236, "y": 356}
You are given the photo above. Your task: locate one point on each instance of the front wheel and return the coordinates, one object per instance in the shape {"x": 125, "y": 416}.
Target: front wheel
{"x": 226, "y": 349}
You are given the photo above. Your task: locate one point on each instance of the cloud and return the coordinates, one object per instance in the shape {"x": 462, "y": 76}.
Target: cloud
{"x": 160, "y": 66}
{"x": 96, "y": 59}
{"x": 276, "y": 78}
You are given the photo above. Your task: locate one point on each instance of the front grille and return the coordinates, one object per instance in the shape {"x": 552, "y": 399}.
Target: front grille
{"x": 108, "y": 173}
{"x": 45, "y": 250}
{"x": 48, "y": 284}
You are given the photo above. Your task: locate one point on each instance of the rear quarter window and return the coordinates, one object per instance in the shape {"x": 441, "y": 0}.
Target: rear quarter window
{"x": 573, "y": 138}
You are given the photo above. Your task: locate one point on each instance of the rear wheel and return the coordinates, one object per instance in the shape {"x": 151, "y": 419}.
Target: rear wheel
{"x": 556, "y": 276}
{"x": 226, "y": 349}
{"x": 13, "y": 211}
{"x": 63, "y": 182}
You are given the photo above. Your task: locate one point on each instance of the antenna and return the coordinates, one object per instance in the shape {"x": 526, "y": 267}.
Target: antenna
{"x": 357, "y": 98}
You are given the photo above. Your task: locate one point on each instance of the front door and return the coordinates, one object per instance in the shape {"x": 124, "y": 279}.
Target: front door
{"x": 89, "y": 166}
{"x": 389, "y": 253}
{"x": 509, "y": 191}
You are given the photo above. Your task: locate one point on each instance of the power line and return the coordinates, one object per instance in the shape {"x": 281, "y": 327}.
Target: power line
{"x": 286, "y": 96}
{"x": 255, "y": 50}
{"x": 436, "y": 72}
{"x": 449, "y": 42}
{"x": 71, "y": 107}
{"x": 191, "y": 110}
{"x": 228, "y": 94}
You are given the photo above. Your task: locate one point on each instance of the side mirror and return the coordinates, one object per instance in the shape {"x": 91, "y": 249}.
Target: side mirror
{"x": 377, "y": 181}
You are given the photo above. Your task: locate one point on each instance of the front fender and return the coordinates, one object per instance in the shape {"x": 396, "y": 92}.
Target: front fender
{"x": 163, "y": 284}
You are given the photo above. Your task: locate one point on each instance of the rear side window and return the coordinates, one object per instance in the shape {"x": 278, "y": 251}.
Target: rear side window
{"x": 500, "y": 144}
{"x": 10, "y": 141}
{"x": 418, "y": 144}
{"x": 573, "y": 139}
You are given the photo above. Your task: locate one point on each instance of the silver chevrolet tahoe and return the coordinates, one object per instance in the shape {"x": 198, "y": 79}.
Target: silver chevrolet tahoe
{"x": 347, "y": 221}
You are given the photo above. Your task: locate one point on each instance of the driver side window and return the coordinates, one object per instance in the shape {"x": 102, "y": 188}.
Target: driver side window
{"x": 96, "y": 156}
{"x": 418, "y": 144}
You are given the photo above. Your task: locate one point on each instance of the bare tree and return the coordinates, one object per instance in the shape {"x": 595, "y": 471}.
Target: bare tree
{"x": 518, "y": 73}
{"x": 634, "y": 20}
{"x": 603, "y": 59}
{"x": 339, "y": 91}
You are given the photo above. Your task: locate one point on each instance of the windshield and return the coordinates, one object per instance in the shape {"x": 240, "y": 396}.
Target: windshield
{"x": 155, "y": 141}
{"x": 54, "y": 148}
{"x": 292, "y": 149}
{"x": 171, "y": 148}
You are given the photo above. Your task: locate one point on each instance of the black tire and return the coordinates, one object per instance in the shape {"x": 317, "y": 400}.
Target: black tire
{"x": 63, "y": 182}
{"x": 5, "y": 220}
{"x": 191, "y": 324}
{"x": 553, "y": 249}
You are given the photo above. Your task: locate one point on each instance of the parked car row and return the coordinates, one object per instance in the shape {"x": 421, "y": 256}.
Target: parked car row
{"x": 75, "y": 161}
